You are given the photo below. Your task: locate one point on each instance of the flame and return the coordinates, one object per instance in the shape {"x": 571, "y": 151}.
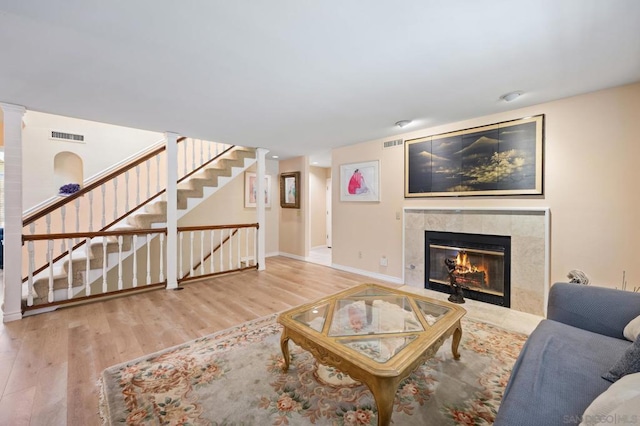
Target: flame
{"x": 463, "y": 264}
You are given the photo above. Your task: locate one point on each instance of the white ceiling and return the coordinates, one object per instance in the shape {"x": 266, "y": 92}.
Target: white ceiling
{"x": 300, "y": 77}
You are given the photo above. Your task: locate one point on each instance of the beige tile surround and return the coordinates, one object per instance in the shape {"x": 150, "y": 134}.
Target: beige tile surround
{"x": 529, "y": 254}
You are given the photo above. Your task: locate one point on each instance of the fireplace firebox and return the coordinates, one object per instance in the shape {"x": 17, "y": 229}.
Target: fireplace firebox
{"x": 482, "y": 265}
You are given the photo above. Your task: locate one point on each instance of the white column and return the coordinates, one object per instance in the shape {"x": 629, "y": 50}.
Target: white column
{"x": 172, "y": 209}
{"x": 260, "y": 206}
{"x": 11, "y": 310}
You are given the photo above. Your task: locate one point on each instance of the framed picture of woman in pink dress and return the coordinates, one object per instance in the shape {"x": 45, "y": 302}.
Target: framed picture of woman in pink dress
{"x": 360, "y": 181}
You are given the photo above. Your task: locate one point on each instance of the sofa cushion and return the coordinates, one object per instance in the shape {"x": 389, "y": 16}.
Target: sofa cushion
{"x": 557, "y": 375}
{"x": 632, "y": 330}
{"x": 627, "y": 364}
{"x": 619, "y": 402}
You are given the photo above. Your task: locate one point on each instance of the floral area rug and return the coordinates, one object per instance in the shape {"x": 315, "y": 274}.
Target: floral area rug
{"x": 234, "y": 377}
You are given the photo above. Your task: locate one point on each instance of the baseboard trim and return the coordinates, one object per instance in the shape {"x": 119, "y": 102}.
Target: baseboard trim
{"x": 293, "y": 256}
{"x": 381, "y": 277}
{"x": 11, "y": 317}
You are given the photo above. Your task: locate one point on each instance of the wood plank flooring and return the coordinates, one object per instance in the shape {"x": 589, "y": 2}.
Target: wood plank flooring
{"x": 50, "y": 363}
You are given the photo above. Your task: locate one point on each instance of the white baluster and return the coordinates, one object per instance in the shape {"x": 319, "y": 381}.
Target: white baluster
{"x": 221, "y": 249}
{"x": 230, "y": 249}
{"x": 157, "y": 174}
{"x": 70, "y": 271}
{"x": 30, "y": 275}
{"x": 47, "y": 219}
{"x": 77, "y": 204}
{"x": 191, "y": 254}
{"x": 115, "y": 198}
{"x": 161, "y": 278}
{"x": 217, "y": 149}
{"x": 246, "y": 245}
{"x": 120, "y": 240}
{"x": 138, "y": 185}
{"x": 50, "y": 261}
{"x": 63, "y": 215}
{"x": 180, "y": 253}
{"x": 184, "y": 157}
{"x": 211, "y": 250}
{"x": 201, "y": 152}
{"x": 87, "y": 286}
{"x": 208, "y": 151}
{"x": 238, "y": 239}
{"x": 201, "y": 252}
{"x": 90, "y": 211}
{"x": 148, "y": 245}
{"x": 193, "y": 154}
{"x": 126, "y": 191}
{"x": 255, "y": 246}
{"x": 148, "y": 164}
{"x": 104, "y": 264}
{"x": 103, "y": 188}
{"x": 135, "y": 261}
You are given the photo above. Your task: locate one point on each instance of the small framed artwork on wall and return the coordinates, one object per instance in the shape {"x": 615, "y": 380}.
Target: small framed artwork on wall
{"x": 251, "y": 189}
{"x": 360, "y": 181}
{"x": 290, "y": 190}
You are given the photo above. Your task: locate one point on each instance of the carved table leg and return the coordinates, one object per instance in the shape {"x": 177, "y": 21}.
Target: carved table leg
{"x": 455, "y": 342}
{"x": 384, "y": 393}
{"x": 284, "y": 345}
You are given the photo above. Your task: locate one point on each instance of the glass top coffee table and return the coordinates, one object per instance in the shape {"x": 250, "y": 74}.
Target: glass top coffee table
{"x": 378, "y": 335}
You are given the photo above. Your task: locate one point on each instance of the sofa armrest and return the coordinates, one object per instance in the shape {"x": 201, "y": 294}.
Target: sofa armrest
{"x": 598, "y": 309}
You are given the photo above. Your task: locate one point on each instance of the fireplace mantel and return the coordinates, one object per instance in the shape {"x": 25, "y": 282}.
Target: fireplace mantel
{"x": 529, "y": 228}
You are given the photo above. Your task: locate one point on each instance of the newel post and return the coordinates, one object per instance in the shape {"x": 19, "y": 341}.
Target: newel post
{"x": 260, "y": 206}
{"x": 172, "y": 209}
{"x": 12, "y": 114}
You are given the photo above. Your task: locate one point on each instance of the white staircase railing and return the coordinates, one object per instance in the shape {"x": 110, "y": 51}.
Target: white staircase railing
{"x": 86, "y": 257}
{"x": 138, "y": 261}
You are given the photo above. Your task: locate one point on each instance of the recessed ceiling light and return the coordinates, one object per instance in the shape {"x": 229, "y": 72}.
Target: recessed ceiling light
{"x": 315, "y": 162}
{"x": 511, "y": 96}
{"x": 274, "y": 156}
{"x": 403, "y": 123}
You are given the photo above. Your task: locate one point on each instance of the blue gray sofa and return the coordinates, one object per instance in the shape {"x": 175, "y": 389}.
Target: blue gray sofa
{"x": 558, "y": 373}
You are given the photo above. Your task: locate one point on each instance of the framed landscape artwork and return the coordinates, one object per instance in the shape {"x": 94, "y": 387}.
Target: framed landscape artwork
{"x": 290, "y": 190}
{"x": 499, "y": 159}
{"x": 360, "y": 181}
{"x": 250, "y": 189}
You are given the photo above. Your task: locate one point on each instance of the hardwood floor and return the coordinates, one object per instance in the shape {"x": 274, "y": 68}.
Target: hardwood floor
{"x": 50, "y": 363}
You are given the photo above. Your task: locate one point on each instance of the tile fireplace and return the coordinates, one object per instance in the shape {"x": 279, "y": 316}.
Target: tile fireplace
{"x": 528, "y": 229}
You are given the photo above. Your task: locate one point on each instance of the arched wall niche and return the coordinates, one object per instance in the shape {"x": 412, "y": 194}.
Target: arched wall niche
{"x": 67, "y": 168}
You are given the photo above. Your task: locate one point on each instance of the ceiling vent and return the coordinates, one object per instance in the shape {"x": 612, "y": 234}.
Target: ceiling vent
{"x": 67, "y": 137}
{"x": 391, "y": 144}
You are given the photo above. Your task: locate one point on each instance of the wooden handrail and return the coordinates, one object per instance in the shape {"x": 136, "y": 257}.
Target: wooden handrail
{"x": 70, "y": 235}
{"x": 213, "y": 274}
{"x": 116, "y": 293}
{"x": 93, "y": 185}
{"x": 205, "y": 164}
{"x": 211, "y": 227}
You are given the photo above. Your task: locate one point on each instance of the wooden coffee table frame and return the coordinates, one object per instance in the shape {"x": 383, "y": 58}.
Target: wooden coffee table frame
{"x": 381, "y": 378}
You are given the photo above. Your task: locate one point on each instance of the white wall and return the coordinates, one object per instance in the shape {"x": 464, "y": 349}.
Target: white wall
{"x": 590, "y": 178}
{"x": 105, "y": 145}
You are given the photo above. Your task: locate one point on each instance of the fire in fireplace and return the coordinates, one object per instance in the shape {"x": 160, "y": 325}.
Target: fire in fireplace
{"x": 482, "y": 264}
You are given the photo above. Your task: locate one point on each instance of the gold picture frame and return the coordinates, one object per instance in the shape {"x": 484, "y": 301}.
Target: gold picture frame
{"x": 498, "y": 159}
{"x": 290, "y": 190}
